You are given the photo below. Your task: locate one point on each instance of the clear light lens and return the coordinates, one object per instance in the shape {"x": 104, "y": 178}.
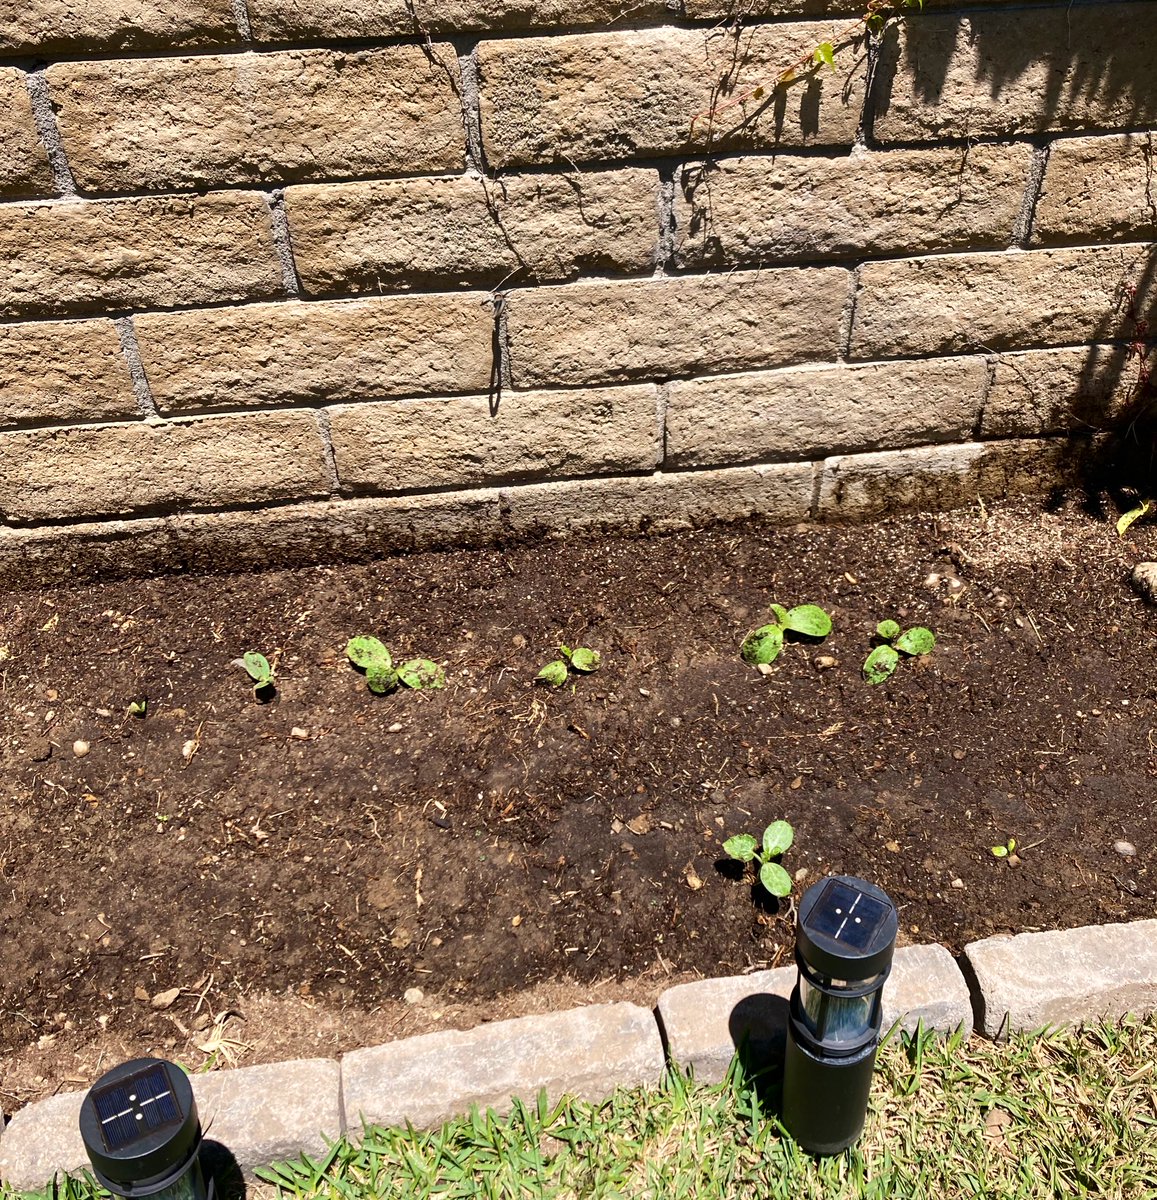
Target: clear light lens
{"x": 844, "y": 1019}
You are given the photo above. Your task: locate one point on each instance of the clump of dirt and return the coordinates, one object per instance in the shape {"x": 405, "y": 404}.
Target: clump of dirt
{"x": 306, "y": 860}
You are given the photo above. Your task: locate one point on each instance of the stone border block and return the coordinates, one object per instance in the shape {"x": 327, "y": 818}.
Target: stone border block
{"x": 1065, "y": 976}
{"x": 705, "y": 1022}
{"x": 426, "y": 1080}
{"x": 41, "y": 1140}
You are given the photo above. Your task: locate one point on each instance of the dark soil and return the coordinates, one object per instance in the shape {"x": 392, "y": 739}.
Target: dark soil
{"x": 341, "y": 847}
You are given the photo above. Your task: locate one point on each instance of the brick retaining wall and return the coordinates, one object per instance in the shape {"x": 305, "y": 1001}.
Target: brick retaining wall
{"x": 263, "y": 259}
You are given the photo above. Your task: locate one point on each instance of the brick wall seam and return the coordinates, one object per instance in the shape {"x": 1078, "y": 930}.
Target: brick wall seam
{"x": 665, "y": 204}
{"x": 46, "y": 126}
{"x": 662, "y": 391}
{"x": 282, "y": 240}
{"x": 325, "y": 432}
{"x": 848, "y": 319}
{"x": 817, "y": 481}
{"x": 132, "y": 355}
{"x": 1034, "y": 186}
{"x": 241, "y": 15}
{"x": 471, "y": 114}
{"x": 990, "y": 379}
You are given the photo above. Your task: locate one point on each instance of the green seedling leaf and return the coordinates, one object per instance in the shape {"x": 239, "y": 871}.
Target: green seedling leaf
{"x": 824, "y": 55}
{"x": 763, "y": 645}
{"x": 585, "y": 660}
{"x": 1134, "y": 514}
{"x": 777, "y": 838}
{"x": 1011, "y": 845}
{"x": 775, "y": 879}
{"x": 780, "y": 614}
{"x": 366, "y": 652}
{"x": 421, "y": 673}
{"x": 810, "y": 620}
{"x": 553, "y": 673}
{"x": 916, "y": 640}
{"x": 741, "y": 847}
{"x": 138, "y": 708}
{"x": 258, "y": 667}
{"x": 880, "y": 664}
{"x": 566, "y": 652}
{"x": 888, "y": 630}
{"x": 381, "y": 678}
{"x": 1000, "y": 851}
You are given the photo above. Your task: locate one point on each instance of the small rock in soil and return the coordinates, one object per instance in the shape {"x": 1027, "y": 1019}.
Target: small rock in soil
{"x": 825, "y": 662}
{"x": 957, "y": 883}
{"x": 163, "y": 1000}
{"x": 1125, "y": 849}
{"x": 1145, "y": 581}
{"x": 80, "y": 747}
{"x": 414, "y": 995}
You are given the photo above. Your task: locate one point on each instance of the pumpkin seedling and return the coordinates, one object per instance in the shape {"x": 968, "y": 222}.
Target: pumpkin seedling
{"x": 880, "y": 664}
{"x": 581, "y": 659}
{"x": 762, "y": 645}
{"x": 138, "y": 708}
{"x": 382, "y": 676}
{"x": 1006, "y": 851}
{"x": 777, "y": 840}
{"x": 258, "y": 669}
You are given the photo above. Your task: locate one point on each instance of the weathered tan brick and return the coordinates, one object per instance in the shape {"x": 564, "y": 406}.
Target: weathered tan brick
{"x": 24, "y": 169}
{"x": 317, "y": 353}
{"x": 112, "y": 470}
{"x": 73, "y": 256}
{"x": 297, "y": 114}
{"x": 52, "y": 26}
{"x": 284, "y": 20}
{"x": 663, "y": 328}
{"x": 660, "y": 503}
{"x": 1024, "y": 70}
{"x": 935, "y": 478}
{"x": 811, "y": 412}
{"x": 396, "y": 234}
{"x": 63, "y": 371}
{"x": 621, "y": 95}
{"x": 1098, "y": 190}
{"x": 1080, "y": 390}
{"x": 1018, "y": 300}
{"x": 902, "y": 201}
{"x": 413, "y": 444}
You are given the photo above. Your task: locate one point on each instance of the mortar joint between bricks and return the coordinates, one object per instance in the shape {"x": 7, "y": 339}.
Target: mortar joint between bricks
{"x": 36, "y": 80}
{"x": 848, "y": 316}
{"x": 325, "y": 432}
{"x": 665, "y": 201}
{"x": 146, "y": 405}
{"x": 471, "y": 106}
{"x": 985, "y": 392}
{"x": 282, "y": 241}
{"x": 241, "y": 15}
{"x": 1033, "y": 189}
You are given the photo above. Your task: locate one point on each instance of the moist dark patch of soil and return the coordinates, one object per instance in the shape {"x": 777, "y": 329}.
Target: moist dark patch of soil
{"x": 337, "y": 847}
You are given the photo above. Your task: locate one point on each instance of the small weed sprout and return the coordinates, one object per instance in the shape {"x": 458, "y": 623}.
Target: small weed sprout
{"x": 777, "y": 840}
{"x": 581, "y": 659}
{"x": 763, "y": 645}
{"x": 1008, "y": 850}
{"x": 885, "y": 658}
{"x": 259, "y": 671}
{"x": 382, "y": 677}
{"x": 138, "y": 708}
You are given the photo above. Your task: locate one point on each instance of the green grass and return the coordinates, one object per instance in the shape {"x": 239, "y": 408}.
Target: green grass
{"x": 1057, "y": 1114}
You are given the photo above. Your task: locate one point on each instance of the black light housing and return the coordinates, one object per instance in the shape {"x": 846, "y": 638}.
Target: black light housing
{"x": 141, "y": 1132}
{"x": 844, "y": 945}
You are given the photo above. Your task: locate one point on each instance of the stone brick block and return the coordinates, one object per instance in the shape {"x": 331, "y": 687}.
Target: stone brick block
{"x": 586, "y": 1052}
{"x": 63, "y": 371}
{"x": 1066, "y": 976}
{"x": 24, "y": 169}
{"x": 1018, "y": 300}
{"x": 73, "y": 256}
{"x": 717, "y": 10}
{"x": 811, "y": 412}
{"x": 161, "y": 123}
{"x": 206, "y": 463}
{"x": 50, "y": 27}
{"x": 272, "y": 1112}
{"x": 408, "y": 445}
{"x": 318, "y": 353}
{"x": 900, "y": 202}
{"x": 41, "y": 1140}
{"x": 1097, "y": 189}
{"x": 1017, "y": 71}
{"x": 660, "y": 503}
{"x": 608, "y": 96}
{"x": 399, "y": 234}
{"x": 940, "y": 477}
{"x": 293, "y": 20}
{"x": 705, "y": 1022}
{"x": 1080, "y": 390}
{"x": 663, "y": 328}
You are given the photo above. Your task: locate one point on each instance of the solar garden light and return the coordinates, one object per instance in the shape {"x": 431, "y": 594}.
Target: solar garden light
{"x": 843, "y": 949}
{"x": 141, "y": 1132}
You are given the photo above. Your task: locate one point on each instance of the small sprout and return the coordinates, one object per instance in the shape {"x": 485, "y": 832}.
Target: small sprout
{"x": 777, "y": 840}
{"x": 585, "y": 660}
{"x": 422, "y": 673}
{"x": 258, "y": 668}
{"x": 581, "y": 659}
{"x": 372, "y": 656}
{"x": 1006, "y": 850}
{"x": 763, "y": 645}
{"x": 885, "y": 658}
{"x": 138, "y": 708}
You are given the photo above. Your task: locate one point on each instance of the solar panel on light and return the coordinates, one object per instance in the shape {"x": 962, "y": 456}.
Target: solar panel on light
{"x": 136, "y": 1107}
{"x": 847, "y": 916}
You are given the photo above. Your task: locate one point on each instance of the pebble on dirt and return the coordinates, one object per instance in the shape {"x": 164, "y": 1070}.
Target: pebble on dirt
{"x": 1125, "y": 849}
{"x": 1145, "y": 581}
{"x": 413, "y": 995}
{"x": 80, "y": 748}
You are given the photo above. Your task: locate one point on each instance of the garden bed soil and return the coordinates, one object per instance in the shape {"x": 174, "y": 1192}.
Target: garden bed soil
{"x": 505, "y": 847}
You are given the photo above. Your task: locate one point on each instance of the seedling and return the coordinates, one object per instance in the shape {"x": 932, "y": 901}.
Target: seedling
{"x": 880, "y": 664}
{"x": 763, "y": 645}
{"x": 777, "y": 839}
{"x": 138, "y": 708}
{"x": 1005, "y": 851}
{"x": 258, "y": 668}
{"x": 382, "y": 676}
{"x": 581, "y": 659}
